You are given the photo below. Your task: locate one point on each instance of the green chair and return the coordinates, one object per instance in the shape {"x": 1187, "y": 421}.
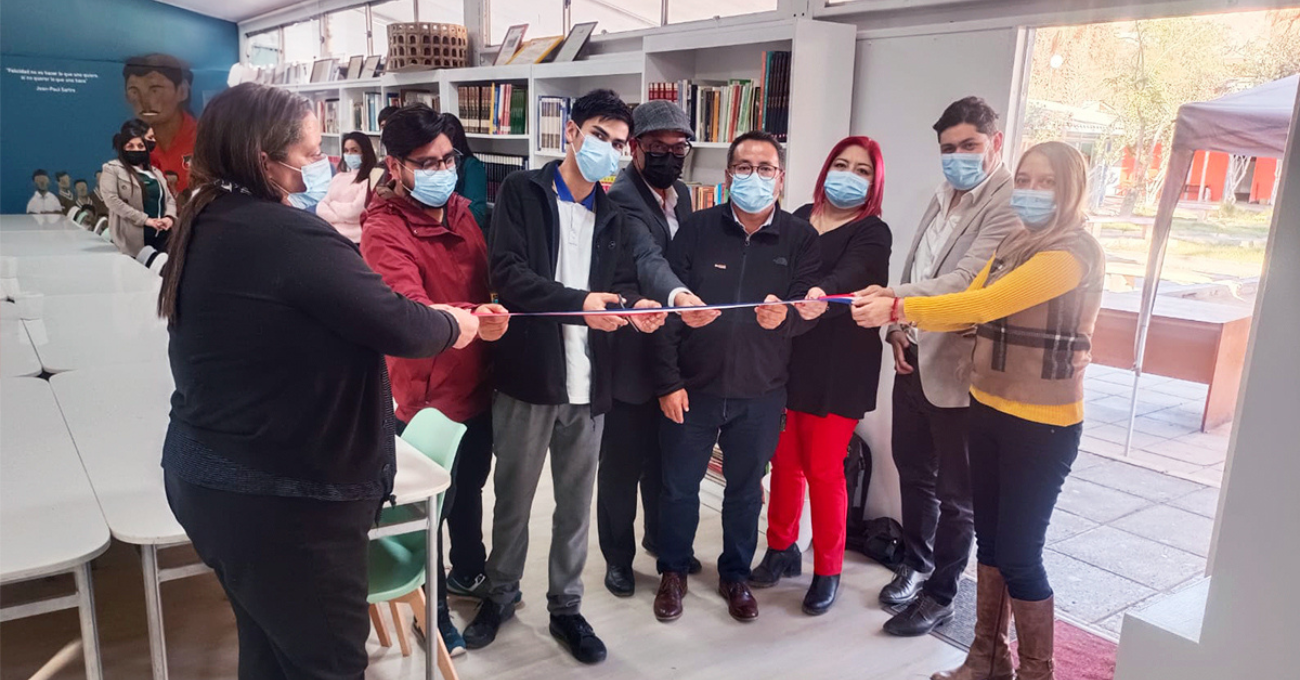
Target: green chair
{"x": 397, "y": 571}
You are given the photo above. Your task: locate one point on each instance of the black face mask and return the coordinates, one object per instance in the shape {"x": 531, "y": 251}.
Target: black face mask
{"x": 136, "y": 157}
{"x": 150, "y": 145}
{"x": 661, "y": 170}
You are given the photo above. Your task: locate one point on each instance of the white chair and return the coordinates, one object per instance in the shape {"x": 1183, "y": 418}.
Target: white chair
{"x": 101, "y": 225}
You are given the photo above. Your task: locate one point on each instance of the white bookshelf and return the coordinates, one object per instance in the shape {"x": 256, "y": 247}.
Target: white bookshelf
{"x": 821, "y": 86}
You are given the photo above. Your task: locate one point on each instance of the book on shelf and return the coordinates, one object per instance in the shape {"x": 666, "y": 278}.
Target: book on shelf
{"x": 329, "y": 116}
{"x": 498, "y": 167}
{"x": 704, "y": 196}
{"x": 494, "y": 109}
{"x": 722, "y": 111}
{"x": 374, "y": 103}
{"x": 552, "y": 113}
{"x": 394, "y": 99}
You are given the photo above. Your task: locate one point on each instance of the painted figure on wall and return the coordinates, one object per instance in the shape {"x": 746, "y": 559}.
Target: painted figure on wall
{"x": 158, "y": 87}
{"x": 43, "y": 202}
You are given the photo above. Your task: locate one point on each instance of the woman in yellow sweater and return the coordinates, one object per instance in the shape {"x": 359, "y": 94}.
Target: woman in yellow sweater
{"x": 1032, "y": 310}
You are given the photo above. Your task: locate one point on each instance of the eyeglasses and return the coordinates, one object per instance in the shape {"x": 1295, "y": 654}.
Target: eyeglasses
{"x": 679, "y": 150}
{"x": 449, "y": 162}
{"x": 743, "y": 170}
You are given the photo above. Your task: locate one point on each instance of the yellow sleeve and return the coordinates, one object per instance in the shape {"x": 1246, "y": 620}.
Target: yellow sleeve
{"x": 1043, "y": 277}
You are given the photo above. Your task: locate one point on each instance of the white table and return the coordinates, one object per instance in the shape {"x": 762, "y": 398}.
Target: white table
{"x": 52, "y": 521}
{"x": 84, "y": 331}
{"x": 36, "y": 223}
{"x": 98, "y": 274}
{"x": 118, "y": 416}
{"x": 17, "y": 356}
{"x": 33, "y": 243}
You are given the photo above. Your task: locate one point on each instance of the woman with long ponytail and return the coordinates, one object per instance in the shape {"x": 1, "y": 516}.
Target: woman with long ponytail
{"x": 1032, "y": 310}
{"x": 280, "y": 450}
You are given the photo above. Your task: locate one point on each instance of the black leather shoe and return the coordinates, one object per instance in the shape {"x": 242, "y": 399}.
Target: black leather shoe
{"x": 576, "y": 635}
{"x": 483, "y": 629}
{"x": 776, "y": 565}
{"x": 920, "y": 617}
{"x": 904, "y": 588}
{"x": 620, "y": 581}
{"x": 821, "y": 594}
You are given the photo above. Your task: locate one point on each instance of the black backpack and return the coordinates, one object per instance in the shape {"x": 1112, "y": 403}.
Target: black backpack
{"x": 881, "y": 538}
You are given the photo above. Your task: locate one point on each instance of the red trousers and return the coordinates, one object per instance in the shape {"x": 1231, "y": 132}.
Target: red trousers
{"x": 811, "y": 448}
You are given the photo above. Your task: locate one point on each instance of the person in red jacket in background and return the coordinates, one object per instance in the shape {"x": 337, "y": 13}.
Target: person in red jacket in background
{"x": 421, "y": 237}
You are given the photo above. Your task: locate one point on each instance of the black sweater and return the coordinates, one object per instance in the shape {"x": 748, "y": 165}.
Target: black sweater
{"x": 734, "y": 357}
{"x": 278, "y": 357}
{"x": 835, "y": 367}
{"x": 523, "y": 248}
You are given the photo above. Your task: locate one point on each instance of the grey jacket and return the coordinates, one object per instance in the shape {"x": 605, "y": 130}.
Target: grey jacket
{"x": 125, "y": 202}
{"x": 648, "y": 231}
{"x": 945, "y": 358}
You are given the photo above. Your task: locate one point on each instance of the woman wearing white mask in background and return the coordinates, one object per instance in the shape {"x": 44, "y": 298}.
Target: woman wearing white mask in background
{"x": 1033, "y": 309}
{"x": 346, "y": 198}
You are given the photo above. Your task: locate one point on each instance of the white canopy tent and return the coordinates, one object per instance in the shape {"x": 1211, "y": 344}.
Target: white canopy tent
{"x": 1253, "y": 122}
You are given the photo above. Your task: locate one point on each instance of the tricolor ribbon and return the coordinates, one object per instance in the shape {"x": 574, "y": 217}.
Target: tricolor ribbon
{"x": 841, "y": 299}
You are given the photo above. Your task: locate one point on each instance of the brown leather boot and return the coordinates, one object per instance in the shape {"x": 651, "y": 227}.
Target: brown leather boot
{"x": 1036, "y": 631}
{"x": 990, "y": 654}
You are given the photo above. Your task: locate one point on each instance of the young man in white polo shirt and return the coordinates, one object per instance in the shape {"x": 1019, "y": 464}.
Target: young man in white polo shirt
{"x": 557, "y": 244}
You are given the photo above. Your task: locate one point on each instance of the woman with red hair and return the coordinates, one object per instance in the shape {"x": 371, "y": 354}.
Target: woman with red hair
{"x": 834, "y": 371}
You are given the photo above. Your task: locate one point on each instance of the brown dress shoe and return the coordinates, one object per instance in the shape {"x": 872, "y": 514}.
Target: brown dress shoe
{"x": 740, "y": 600}
{"x": 668, "y": 601}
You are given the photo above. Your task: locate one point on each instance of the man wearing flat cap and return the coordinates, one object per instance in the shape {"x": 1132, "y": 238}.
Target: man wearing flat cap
{"x": 655, "y": 201}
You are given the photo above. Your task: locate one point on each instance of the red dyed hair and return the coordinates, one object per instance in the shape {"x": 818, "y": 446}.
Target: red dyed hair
{"x": 874, "y": 196}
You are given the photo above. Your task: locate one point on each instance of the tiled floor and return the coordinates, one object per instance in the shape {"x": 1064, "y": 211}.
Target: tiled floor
{"x": 1128, "y": 529}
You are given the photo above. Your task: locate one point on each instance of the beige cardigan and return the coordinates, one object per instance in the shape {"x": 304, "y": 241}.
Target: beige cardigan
{"x": 125, "y": 202}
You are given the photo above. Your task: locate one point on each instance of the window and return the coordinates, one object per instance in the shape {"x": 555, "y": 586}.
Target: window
{"x": 442, "y": 11}
{"x": 345, "y": 33}
{"x": 613, "y": 16}
{"x": 544, "y": 18}
{"x": 680, "y": 11}
{"x": 264, "y": 48}
{"x": 302, "y": 41}
{"x": 385, "y": 13}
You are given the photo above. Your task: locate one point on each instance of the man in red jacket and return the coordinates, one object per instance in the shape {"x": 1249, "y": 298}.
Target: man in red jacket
{"x": 423, "y": 240}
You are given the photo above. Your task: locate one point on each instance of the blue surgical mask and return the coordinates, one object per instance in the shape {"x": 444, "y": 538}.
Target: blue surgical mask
{"x": 434, "y": 187}
{"x": 1036, "y": 208}
{"x": 597, "y": 159}
{"x": 353, "y": 160}
{"x": 317, "y": 177}
{"x": 964, "y": 171}
{"x": 753, "y": 194}
{"x": 845, "y": 189}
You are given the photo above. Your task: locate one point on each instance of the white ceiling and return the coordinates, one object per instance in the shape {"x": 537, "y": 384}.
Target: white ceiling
{"x": 231, "y": 10}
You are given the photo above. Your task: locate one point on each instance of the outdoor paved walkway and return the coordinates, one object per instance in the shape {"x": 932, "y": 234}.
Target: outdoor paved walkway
{"x": 1127, "y": 530}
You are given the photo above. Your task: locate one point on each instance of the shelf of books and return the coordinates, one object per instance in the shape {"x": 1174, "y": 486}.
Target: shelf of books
{"x": 787, "y": 77}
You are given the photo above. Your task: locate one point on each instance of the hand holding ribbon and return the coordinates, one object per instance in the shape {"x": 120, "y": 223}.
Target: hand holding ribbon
{"x": 648, "y": 323}
{"x": 596, "y": 302}
{"x": 467, "y": 322}
{"x": 698, "y": 319}
{"x": 816, "y": 305}
{"x": 493, "y": 321}
{"x": 772, "y": 316}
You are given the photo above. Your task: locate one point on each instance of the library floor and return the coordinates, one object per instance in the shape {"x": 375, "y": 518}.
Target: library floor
{"x": 704, "y": 643}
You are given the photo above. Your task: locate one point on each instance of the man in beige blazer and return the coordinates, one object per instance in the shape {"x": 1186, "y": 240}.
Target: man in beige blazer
{"x": 967, "y": 218}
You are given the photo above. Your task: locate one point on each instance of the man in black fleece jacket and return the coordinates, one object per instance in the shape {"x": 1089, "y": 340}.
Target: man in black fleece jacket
{"x": 725, "y": 382}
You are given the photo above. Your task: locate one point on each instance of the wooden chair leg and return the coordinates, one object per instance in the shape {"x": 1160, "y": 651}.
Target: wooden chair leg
{"x": 401, "y": 630}
{"x": 378, "y": 622}
{"x": 445, "y": 668}
{"x": 416, "y": 600}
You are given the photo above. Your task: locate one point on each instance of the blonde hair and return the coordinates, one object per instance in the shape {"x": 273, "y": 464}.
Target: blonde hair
{"x": 1071, "y": 172}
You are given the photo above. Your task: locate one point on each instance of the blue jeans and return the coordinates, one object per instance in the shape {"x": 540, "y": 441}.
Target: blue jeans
{"x": 747, "y": 430}
{"x": 1017, "y": 470}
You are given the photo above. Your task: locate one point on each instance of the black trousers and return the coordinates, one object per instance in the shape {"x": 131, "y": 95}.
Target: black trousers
{"x": 462, "y": 503}
{"x": 1017, "y": 470}
{"x": 295, "y": 570}
{"x": 629, "y": 455}
{"x": 747, "y": 431}
{"x": 934, "y": 477}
